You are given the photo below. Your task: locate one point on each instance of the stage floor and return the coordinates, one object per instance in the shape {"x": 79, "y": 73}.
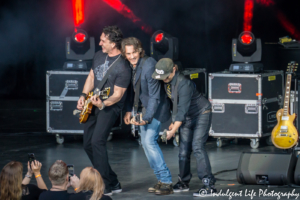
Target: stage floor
{"x": 129, "y": 162}
{"x": 22, "y": 131}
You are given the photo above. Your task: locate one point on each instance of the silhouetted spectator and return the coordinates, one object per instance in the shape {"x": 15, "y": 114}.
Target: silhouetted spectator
{"x": 13, "y": 188}
{"x": 58, "y": 175}
{"x": 89, "y": 187}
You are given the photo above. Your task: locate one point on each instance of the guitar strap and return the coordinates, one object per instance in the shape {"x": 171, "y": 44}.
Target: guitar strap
{"x": 138, "y": 88}
{"x": 175, "y": 104}
{"x": 103, "y": 81}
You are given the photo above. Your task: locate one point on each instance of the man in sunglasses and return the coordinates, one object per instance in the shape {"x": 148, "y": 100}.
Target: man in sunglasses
{"x": 192, "y": 114}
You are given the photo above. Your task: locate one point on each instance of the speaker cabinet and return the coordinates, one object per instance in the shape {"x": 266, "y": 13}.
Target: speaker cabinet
{"x": 297, "y": 173}
{"x": 270, "y": 168}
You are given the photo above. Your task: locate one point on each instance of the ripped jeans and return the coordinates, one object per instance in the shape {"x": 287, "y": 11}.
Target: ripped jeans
{"x": 193, "y": 137}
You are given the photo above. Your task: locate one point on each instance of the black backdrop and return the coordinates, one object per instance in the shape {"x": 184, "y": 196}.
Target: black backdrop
{"x": 33, "y": 32}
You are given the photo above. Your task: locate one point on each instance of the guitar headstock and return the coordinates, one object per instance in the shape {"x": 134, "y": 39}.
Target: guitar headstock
{"x": 292, "y": 67}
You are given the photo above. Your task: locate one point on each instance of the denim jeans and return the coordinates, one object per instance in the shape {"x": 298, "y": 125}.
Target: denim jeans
{"x": 193, "y": 136}
{"x": 149, "y": 135}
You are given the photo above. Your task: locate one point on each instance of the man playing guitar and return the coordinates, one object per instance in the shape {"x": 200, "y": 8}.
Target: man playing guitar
{"x": 105, "y": 113}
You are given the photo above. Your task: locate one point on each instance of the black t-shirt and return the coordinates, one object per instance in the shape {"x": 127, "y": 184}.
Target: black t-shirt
{"x": 86, "y": 196}
{"x": 31, "y": 192}
{"x": 57, "y": 195}
{"x": 120, "y": 76}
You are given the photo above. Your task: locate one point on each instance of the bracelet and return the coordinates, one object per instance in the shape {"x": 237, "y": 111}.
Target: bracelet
{"x": 75, "y": 189}
{"x": 83, "y": 95}
{"x": 28, "y": 176}
{"x": 103, "y": 106}
{"x": 38, "y": 176}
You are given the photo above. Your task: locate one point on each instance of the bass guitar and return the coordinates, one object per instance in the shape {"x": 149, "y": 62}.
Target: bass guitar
{"x": 285, "y": 134}
{"x": 87, "y": 109}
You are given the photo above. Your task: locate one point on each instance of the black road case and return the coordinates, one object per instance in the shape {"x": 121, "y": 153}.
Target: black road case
{"x": 245, "y": 105}
{"x": 62, "y": 92}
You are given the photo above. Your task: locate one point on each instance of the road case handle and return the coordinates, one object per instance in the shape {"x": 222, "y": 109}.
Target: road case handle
{"x": 218, "y": 108}
{"x": 235, "y": 88}
{"x": 56, "y": 105}
{"x": 251, "y": 109}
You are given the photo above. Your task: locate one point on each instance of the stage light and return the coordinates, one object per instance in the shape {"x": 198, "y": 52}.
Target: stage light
{"x": 78, "y": 12}
{"x": 247, "y": 38}
{"x": 246, "y": 48}
{"x": 80, "y": 37}
{"x": 79, "y": 47}
{"x": 159, "y": 37}
{"x": 163, "y": 45}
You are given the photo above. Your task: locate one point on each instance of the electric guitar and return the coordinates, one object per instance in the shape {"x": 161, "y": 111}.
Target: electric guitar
{"x": 87, "y": 109}
{"x": 285, "y": 134}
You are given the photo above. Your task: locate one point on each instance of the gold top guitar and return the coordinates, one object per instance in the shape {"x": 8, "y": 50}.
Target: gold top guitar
{"x": 87, "y": 109}
{"x": 285, "y": 134}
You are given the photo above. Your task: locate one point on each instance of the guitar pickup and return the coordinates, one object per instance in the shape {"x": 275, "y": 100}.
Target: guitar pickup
{"x": 283, "y": 135}
{"x": 283, "y": 129}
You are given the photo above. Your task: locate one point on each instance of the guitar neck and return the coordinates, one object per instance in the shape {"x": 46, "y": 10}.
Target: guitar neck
{"x": 287, "y": 95}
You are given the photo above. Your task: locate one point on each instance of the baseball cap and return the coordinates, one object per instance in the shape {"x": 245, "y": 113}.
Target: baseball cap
{"x": 163, "y": 68}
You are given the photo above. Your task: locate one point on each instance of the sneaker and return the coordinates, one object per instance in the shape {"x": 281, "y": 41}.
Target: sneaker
{"x": 155, "y": 187}
{"x": 165, "y": 189}
{"x": 207, "y": 190}
{"x": 181, "y": 186}
{"x": 107, "y": 192}
{"x": 117, "y": 188}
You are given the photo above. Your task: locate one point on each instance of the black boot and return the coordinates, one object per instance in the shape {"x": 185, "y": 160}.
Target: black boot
{"x": 208, "y": 188}
{"x": 117, "y": 188}
{"x": 181, "y": 186}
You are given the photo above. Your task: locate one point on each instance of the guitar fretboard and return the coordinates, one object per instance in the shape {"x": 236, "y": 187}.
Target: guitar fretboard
{"x": 287, "y": 95}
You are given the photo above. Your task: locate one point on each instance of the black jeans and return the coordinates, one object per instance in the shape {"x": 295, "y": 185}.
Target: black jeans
{"x": 96, "y": 132}
{"x": 193, "y": 136}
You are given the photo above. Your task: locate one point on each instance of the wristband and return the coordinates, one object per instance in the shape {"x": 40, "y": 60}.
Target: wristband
{"x": 83, "y": 95}
{"x": 38, "y": 176}
{"x": 28, "y": 176}
{"x": 103, "y": 106}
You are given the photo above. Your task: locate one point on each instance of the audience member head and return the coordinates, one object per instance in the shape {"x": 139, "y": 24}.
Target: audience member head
{"x": 58, "y": 173}
{"x": 11, "y": 181}
{"x": 91, "y": 180}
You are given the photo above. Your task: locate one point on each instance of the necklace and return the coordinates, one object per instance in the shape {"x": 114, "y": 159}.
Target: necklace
{"x": 109, "y": 65}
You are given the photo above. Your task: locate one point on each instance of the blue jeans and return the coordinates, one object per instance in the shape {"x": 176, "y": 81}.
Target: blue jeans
{"x": 193, "y": 137}
{"x": 149, "y": 135}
